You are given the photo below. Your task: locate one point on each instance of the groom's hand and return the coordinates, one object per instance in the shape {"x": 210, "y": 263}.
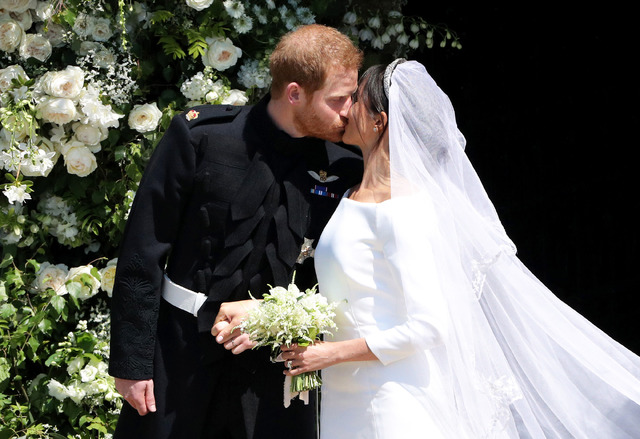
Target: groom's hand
{"x": 225, "y": 325}
{"x": 138, "y": 393}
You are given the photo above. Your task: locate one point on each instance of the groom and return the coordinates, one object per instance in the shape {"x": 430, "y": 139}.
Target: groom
{"x": 233, "y": 200}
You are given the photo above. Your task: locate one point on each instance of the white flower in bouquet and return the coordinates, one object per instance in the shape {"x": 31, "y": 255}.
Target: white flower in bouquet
{"x": 243, "y": 24}
{"x": 18, "y": 5}
{"x": 90, "y": 135}
{"x": 145, "y": 118}
{"x": 45, "y": 10}
{"x": 235, "y": 97}
{"x": 35, "y": 46}
{"x": 40, "y": 160}
{"x": 80, "y": 161}
{"x": 75, "y": 392}
{"x": 82, "y": 25}
{"x": 350, "y": 18}
{"x": 74, "y": 366}
{"x": 52, "y": 276}
{"x": 94, "y": 112}
{"x": 107, "y": 276}
{"x": 199, "y": 5}
{"x": 55, "y": 33}
{"x": 24, "y": 19}
{"x": 88, "y": 373}
{"x": 104, "y": 58}
{"x": 8, "y": 74}
{"x": 101, "y": 29}
{"x": 87, "y": 47}
{"x": 65, "y": 83}
{"x": 234, "y": 8}
{"x": 57, "y": 390}
{"x": 10, "y": 35}
{"x": 17, "y": 193}
{"x": 251, "y": 74}
{"x": 286, "y": 316}
{"x": 57, "y": 110}
{"x": 221, "y": 54}
{"x": 82, "y": 282}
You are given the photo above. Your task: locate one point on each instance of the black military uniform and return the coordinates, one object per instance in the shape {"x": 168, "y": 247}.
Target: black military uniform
{"x": 228, "y": 204}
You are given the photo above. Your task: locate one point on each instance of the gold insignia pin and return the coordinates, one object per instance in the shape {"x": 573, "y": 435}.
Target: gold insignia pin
{"x": 193, "y": 114}
{"x": 322, "y": 176}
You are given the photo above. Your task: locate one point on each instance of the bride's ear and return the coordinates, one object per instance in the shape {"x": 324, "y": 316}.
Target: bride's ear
{"x": 382, "y": 121}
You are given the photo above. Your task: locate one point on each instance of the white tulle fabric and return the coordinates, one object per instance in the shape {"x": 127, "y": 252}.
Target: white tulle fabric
{"x": 516, "y": 362}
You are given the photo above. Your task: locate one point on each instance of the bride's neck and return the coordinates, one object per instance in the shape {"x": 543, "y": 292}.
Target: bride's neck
{"x": 376, "y": 180}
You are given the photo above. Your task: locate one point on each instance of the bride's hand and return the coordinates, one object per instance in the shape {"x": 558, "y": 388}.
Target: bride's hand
{"x": 300, "y": 359}
{"x": 229, "y": 317}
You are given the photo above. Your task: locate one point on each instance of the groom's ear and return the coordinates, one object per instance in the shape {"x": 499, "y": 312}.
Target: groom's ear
{"x": 294, "y": 93}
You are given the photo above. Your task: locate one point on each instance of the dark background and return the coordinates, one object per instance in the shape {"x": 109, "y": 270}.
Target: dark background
{"x": 547, "y": 99}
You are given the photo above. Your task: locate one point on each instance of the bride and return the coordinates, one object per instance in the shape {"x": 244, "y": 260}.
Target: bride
{"x": 443, "y": 332}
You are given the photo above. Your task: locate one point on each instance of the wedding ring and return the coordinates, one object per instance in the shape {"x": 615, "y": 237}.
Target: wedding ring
{"x": 233, "y": 342}
{"x": 289, "y": 364}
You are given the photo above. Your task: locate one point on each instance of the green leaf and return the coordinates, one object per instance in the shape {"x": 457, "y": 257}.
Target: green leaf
{"x": 172, "y": 47}
{"x": 56, "y": 358}
{"x": 160, "y": 16}
{"x": 5, "y": 368}
{"x": 8, "y": 259}
{"x": 58, "y": 304}
{"x": 7, "y": 310}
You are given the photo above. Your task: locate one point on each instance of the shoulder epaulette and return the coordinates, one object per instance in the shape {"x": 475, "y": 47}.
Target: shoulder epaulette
{"x": 211, "y": 113}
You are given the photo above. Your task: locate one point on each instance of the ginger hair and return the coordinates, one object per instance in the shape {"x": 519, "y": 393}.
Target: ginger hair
{"x": 307, "y": 54}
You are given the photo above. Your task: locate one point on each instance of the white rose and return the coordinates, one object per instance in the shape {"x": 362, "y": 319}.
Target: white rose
{"x": 235, "y": 97}
{"x": 65, "y": 83}
{"x": 101, "y": 29}
{"x": 44, "y": 10}
{"x": 199, "y": 5}
{"x": 80, "y": 161}
{"x": 57, "y": 390}
{"x": 57, "y": 110}
{"x": 81, "y": 283}
{"x": 90, "y": 135}
{"x": 104, "y": 58}
{"x": 82, "y": 25}
{"x": 52, "y": 276}
{"x": 10, "y": 35}
{"x": 88, "y": 373}
{"x": 18, "y": 5}
{"x": 24, "y": 19}
{"x": 221, "y": 53}
{"x": 88, "y": 46}
{"x": 53, "y": 32}
{"x": 75, "y": 365}
{"x": 76, "y": 393}
{"x": 108, "y": 275}
{"x": 145, "y": 118}
{"x": 10, "y": 73}
{"x": 35, "y": 46}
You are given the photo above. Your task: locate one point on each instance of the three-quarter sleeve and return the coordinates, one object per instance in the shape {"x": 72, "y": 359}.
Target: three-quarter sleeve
{"x": 406, "y": 227}
{"x": 149, "y": 234}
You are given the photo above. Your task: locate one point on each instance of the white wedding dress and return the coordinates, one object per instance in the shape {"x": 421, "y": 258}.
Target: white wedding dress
{"x": 357, "y": 262}
{"x": 470, "y": 344}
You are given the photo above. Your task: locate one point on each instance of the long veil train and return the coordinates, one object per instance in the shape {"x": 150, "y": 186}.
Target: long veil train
{"x": 517, "y": 362}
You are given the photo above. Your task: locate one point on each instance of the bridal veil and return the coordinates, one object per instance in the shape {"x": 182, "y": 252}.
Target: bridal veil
{"x": 517, "y": 362}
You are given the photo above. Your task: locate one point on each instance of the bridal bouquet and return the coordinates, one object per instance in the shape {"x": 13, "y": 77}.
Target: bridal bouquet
{"x": 286, "y": 316}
